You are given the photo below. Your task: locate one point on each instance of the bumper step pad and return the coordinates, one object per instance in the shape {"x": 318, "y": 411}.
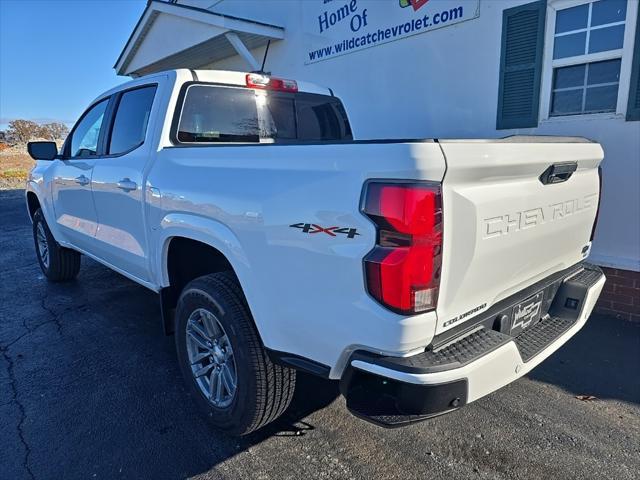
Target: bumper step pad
{"x": 477, "y": 343}
{"x": 535, "y": 339}
{"x": 390, "y": 402}
{"x": 453, "y": 355}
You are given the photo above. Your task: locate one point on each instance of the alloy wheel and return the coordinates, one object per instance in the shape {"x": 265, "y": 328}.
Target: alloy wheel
{"x": 211, "y": 358}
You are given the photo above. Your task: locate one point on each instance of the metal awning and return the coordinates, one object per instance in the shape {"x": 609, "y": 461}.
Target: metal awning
{"x": 170, "y": 35}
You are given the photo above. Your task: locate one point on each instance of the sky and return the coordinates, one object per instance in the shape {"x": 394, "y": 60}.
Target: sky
{"x": 58, "y": 55}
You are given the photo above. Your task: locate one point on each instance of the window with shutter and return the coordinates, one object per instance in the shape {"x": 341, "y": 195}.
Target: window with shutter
{"x": 633, "y": 107}
{"x": 521, "y": 65}
{"x": 588, "y": 40}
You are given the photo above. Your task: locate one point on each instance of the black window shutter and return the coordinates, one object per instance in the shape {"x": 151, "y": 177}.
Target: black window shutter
{"x": 633, "y": 107}
{"x": 521, "y": 65}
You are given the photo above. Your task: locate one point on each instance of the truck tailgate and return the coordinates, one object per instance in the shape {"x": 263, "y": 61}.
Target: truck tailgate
{"x": 506, "y": 228}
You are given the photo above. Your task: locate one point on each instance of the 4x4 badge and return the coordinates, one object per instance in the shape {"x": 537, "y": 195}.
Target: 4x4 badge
{"x": 312, "y": 228}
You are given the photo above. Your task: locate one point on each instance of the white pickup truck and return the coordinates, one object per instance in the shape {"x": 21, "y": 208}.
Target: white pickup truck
{"x": 421, "y": 274}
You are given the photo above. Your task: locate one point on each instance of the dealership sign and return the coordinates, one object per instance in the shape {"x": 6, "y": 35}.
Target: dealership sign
{"x": 338, "y": 27}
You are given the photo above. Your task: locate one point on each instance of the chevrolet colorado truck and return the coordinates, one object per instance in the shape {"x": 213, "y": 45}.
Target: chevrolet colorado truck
{"x": 420, "y": 274}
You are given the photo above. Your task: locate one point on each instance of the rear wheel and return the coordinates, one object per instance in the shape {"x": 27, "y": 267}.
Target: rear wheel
{"x": 59, "y": 264}
{"x": 224, "y": 364}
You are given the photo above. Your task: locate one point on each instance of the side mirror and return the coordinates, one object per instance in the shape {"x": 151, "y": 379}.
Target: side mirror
{"x": 43, "y": 150}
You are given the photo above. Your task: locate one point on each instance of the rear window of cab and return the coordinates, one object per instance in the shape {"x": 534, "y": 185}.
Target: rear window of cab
{"x": 221, "y": 114}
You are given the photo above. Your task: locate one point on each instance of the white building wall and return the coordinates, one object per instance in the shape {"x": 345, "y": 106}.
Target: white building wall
{"x": 444, "y": 83}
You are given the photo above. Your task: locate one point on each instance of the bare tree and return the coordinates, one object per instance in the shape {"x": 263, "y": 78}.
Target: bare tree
{"x": 22, "y": 131}
{"x": 53, "y": 131}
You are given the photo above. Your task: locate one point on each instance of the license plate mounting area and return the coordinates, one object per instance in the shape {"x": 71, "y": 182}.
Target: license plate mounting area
{"x": 526, "y": 313}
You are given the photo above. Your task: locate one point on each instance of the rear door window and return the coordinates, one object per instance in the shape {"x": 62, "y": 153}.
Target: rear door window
{"x": 131, "y": 119}
{"x": 304, "y": 117}
{"x": 218, "y": 114}
{"x": 280, "y": 121}
{"x": 211, "y": 113}
{"x": 320, "y": 120}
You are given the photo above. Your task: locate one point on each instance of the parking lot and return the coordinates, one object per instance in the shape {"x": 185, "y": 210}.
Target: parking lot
{"x": 89, "y": 388}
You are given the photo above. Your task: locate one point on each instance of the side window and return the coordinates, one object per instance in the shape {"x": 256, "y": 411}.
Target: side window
{"x": 587, "y": 52}
{"x": 84, "y": 139}
{"x": 131, "y": 119}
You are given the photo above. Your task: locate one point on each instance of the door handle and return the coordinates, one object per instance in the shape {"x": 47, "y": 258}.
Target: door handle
{"x": 127, "y": 185}
{"x": 82, "y": 180}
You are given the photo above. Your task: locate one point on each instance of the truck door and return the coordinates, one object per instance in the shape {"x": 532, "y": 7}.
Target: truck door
{"x": 71, "y": 186}
{"x": 118, "y": 184}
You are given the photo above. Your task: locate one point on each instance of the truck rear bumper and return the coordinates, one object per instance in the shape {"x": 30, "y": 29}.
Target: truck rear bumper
{"x": 393, "y": 391}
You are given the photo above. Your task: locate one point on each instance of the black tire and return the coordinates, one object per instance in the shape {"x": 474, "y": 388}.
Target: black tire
{"x": 63, "y": 264}
{"x": 264, "y": 389}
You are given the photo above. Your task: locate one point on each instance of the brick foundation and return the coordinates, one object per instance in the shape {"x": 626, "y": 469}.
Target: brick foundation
{"x": 621, "y": 294}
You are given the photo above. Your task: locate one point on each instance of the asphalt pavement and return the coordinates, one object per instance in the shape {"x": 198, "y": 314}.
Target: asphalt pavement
{"x": 89, "y": 388}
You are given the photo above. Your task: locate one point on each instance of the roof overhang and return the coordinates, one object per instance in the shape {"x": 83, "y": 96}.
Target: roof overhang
{"x": 170, "y": 35}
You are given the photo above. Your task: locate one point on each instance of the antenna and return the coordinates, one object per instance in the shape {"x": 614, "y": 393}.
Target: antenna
{"x": 264, "y": 59}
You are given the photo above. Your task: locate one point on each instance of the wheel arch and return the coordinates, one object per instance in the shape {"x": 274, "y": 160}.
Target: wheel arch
{"x": 35, "y": 197}
{"x": 33, "y": 203}
{"x": 192, "y": 246}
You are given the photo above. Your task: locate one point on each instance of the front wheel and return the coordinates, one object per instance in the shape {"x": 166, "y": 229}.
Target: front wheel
{"x": 59, "y": 264}
{"x": 225, "y": 366}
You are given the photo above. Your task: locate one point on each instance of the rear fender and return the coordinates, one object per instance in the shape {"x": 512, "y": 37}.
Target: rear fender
{"x": 215, "y": 234}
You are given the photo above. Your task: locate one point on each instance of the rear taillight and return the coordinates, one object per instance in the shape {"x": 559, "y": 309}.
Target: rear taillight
{"x": 403, "y": 270}
{"x": 265, "y": 82}
{"x": 595, "y": 221}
